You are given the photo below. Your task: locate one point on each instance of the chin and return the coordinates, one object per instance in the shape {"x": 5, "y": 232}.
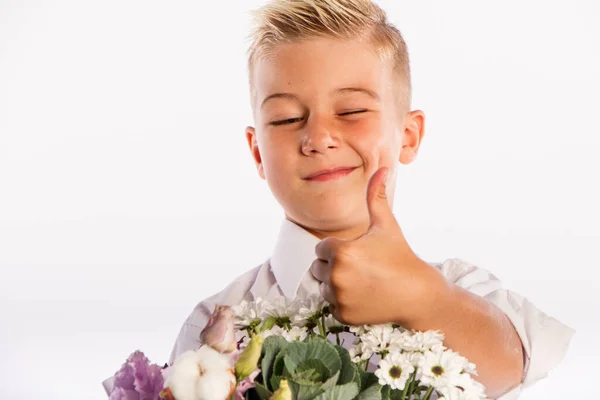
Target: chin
{"x": 327, "y": 219}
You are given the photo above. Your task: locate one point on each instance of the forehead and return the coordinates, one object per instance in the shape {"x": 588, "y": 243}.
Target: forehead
{"x": 318, "y": 66}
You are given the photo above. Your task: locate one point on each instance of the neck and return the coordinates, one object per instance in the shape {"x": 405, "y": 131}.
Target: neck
{"x": 344, "y": 233}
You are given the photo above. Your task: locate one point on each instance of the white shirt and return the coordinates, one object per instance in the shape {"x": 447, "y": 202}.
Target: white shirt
{"x": 545, "y": 340}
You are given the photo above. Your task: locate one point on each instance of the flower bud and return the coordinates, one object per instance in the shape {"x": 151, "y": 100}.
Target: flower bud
{"x": 283, "y": 393}
{"x": 248, "y": 360}
{"x": 219, "y": 332}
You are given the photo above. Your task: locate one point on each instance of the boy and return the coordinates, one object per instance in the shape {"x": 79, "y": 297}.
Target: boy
{"x": 330, "y": 92}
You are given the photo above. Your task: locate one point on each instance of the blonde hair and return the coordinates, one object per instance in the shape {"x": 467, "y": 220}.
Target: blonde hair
{"x": 287, "y": 21}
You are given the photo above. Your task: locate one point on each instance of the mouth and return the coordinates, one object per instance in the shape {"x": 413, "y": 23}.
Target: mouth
{"x": 330, "y": 174}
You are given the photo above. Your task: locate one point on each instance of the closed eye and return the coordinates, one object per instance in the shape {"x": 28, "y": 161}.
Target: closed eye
{"x": 352, "y": 112}
{"x": 285, "y": 121}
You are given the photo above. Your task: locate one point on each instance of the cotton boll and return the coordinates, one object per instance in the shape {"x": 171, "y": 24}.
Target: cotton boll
{"x": 194, "y": 369}
{"x": 215, "y": 386}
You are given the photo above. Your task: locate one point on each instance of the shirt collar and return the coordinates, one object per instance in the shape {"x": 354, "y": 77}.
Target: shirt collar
{"x": 292, "y": 257}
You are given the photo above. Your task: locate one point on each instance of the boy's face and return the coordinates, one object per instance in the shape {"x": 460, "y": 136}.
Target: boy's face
{"x": 327, "y": 104}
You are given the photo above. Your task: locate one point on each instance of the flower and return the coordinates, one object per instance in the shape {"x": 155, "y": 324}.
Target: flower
{"x": 283, "y": 393}
{"x": 394, "y": 370}
{"x": 137, "y": 378}
{"x": 249, "y": 314}
{"x": 422, "y": 341}
{"x": 219, "y": 332}
{"x": 465, "y": 389}
{"x": 440, "y": 370}
{"x": 248, "y": 360}
{"x": 282, "y": 309}
{"x": 376, "y": 339}
{"x": 333, "y": 325}
{"x": 201, "y": 374}
{"x": 355, "y": 354}
{"x": 295, "y": 333}
{"x": 309, "y": 310}
{"x": 245, "y": 385}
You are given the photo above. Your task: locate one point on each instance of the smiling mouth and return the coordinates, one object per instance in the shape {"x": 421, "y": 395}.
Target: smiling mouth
{"x": 327, "y": 175}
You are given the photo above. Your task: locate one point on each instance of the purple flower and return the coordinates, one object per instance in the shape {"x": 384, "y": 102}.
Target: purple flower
{"x": 137, "y": 379}
{"x": 245, "y": 385}
{"x": 124, "y": 394}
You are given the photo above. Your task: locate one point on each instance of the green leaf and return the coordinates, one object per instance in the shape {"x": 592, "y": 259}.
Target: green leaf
{"x": 346, "y": 391}
{"x": 272, "y": 346}
{"x": 366, "y": 378}
{"x": 386, "y": 392}
{"x": 313, "y": 348}
{"x": 348, "y": 371}
{"x": 268, "y": 324}
{"x": 304, "y": 392}
{"x": 262, "y": 391}
{"x": 274, "y": 382}
{"x": 319, "y": 369}
{"x": 309, "y": 377}
{"x": 373, "y": 392}
{"x": 331, "y": 382}
{"x": 395, "y": 394}
{"x": 279, "y": 365}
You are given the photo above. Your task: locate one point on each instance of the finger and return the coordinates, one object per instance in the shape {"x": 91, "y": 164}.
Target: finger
{"x": 380, "y": 212}
{"x": 326, "y": 248}
{"x": 321, "y": 270}
{"x": 327, "y": 293}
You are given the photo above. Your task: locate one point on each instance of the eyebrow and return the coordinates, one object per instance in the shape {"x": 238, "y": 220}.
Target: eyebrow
{"x": 279, "y": 96}
{"x": 345, "y": 90}
{"x": 368, "y": 92}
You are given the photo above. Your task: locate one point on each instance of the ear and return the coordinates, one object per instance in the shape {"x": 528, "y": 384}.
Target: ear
{"x": 414, "y": 130}
{"x": 253, "y": 145}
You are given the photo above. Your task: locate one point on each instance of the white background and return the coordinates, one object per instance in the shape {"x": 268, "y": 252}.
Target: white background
{"x": 127, "y": 193}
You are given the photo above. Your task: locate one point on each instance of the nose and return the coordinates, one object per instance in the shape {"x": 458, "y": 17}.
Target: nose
{"x": 318, "y": 138}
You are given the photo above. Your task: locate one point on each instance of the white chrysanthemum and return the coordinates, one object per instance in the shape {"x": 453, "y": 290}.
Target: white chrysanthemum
{"x": 281, "y": 307}
{"x": 468, "y": 367}
{"x": 249, "y": 312}
{"x": 332, "y": 324}
{"x": 296, "y": 333}
{"x": 308, "y": 308}
{"x": 394, "y": 370}
{"x": 466, "y": 389}
{"x": 440, "y": 369}
{"x": 397, "y": 339}
{"x": 377, "y": 338}
{"x": 201, "y": 374}
{"x": 275, "y": 330}
{"x": 423, "y": 341}
{"x": 469, "y": 389}
{"x": 415, "y": 358}
{"x": 355, "y": 354}
{"x": 359, "y": 330}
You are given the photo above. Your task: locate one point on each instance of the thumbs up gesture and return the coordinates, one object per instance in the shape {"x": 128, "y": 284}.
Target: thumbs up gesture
{"x": 377, "y": 278}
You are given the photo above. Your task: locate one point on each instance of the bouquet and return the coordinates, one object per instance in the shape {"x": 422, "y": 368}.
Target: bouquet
{"x": 283, "y": 349}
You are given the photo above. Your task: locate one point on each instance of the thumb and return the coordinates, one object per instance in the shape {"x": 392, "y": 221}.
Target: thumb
{"x": 377, "y": 200}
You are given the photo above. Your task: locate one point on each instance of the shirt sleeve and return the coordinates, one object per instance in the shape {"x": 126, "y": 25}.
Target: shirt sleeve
{"x": 189, "y": 334}
{"x": 545, "y": 340}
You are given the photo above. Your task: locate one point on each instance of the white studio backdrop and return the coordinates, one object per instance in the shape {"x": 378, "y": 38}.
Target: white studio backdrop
{"x": 127, "y": 192}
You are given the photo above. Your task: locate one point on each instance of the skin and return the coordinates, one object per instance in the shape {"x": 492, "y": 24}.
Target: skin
{"x": 325, "y": 103}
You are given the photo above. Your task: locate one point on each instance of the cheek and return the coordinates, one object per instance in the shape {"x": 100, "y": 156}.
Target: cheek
{"x": 376, "y": 144}
{"x": 277, "y": 158}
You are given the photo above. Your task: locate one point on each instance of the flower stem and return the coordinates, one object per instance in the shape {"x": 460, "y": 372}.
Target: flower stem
{"x": 428, "y": 393}
{"x": 411, "y": 389}
{"x": 406, "y": 386}
{"x": 321, "y": 324}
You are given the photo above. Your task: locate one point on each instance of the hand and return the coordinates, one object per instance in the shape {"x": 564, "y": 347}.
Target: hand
{"x": 376, "y": 278}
